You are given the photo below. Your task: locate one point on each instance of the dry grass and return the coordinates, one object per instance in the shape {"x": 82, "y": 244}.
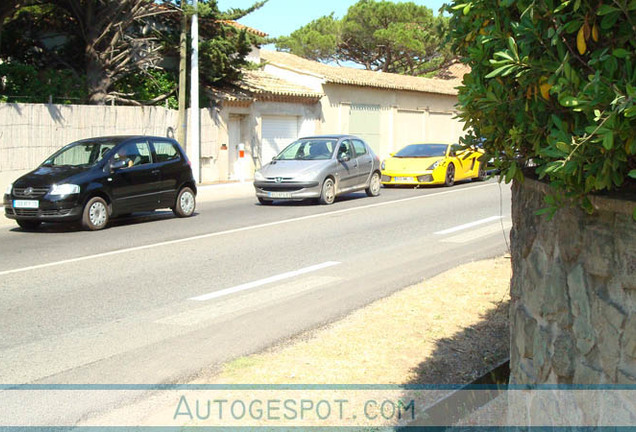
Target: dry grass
{"x": 448, "y": 329}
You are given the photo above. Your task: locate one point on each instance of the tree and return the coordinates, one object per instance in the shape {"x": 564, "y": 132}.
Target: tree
{"x": 317, "y": 41}
{"x": 121, "y": 46}
{"x": 115, "y": 38}
{"x": 380, "y": 35}
{"x": 552, "y": 87}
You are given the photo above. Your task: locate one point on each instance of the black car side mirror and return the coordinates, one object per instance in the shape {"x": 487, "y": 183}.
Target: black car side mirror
{"x": 118, "y": 164}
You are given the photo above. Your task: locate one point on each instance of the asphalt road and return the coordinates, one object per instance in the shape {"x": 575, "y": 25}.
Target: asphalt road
{"x": 156, "y": 299}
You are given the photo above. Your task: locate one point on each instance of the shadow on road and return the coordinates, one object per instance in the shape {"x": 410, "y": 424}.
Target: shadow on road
{"x": 70, "y": 227}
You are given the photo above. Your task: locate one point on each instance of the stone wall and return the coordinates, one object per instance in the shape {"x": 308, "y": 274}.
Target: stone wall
{"x": 573, "y": 292}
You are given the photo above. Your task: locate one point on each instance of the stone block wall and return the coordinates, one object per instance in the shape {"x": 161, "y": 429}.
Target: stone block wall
{"x": 573, "y": 291}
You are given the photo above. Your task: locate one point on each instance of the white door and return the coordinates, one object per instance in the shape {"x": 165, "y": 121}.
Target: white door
{"x": 409, "y": 129}
{"x": 277, "y": 132}
{"x": 234, "y": 138}
{"x": 441, "y": 128}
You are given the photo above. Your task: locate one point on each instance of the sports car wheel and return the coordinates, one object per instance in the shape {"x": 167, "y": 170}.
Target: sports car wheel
{"x": 481, "y": 175}
{"x": 328, "y": 194}
{"x": 374, "y": 185}
{"x": 450, "y": 175}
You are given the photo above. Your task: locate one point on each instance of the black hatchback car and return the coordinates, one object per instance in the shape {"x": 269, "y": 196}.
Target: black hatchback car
{"x": 95, "y": 179}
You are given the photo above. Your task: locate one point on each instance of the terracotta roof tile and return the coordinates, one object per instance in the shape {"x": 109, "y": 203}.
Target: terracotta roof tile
{"x": 259, "y": 82}
{"x": 365, "y": 78}
{"x": 243, "y": 27}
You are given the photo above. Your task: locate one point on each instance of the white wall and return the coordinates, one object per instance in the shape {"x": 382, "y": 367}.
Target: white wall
{"x": 31, "y": 132}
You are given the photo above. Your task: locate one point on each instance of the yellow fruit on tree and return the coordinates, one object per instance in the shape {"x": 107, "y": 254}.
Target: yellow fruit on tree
{"x": 581, "y": 46}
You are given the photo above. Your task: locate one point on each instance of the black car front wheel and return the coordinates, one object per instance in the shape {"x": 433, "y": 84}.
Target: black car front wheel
{"x": 186, "y": 203}
{"x": 95, "y": 215}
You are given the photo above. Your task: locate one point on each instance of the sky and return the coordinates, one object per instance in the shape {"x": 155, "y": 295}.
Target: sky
{"x": 281, "y": 17}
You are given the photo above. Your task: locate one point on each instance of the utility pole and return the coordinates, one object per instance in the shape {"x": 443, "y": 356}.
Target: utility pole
{"x": 182, "y": 122}
{"x": 195, "y": 139}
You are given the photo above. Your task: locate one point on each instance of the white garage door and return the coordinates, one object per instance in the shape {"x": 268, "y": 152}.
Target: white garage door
{"x": 443, "y": 128}
{"x": 364, "y": 121}
{"x": 277, "y": 132}
{"x": 409, "y": 129}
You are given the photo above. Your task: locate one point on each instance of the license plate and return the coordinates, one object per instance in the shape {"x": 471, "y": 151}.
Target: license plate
{"x": 279, "y": 194}
{"x": 30, "y": 204}
{"x": 404, "y": 179}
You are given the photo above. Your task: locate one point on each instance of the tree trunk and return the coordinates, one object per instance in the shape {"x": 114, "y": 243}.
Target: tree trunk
{"x": 97, "y": 80}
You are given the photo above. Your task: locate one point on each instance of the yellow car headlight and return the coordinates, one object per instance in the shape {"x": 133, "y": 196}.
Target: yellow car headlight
{"x": 435, "y": 165}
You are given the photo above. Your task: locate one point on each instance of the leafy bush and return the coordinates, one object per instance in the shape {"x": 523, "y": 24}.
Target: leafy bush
{"x": 25, "y": 83}
{"x": 145, "y": 86}
{"x": 553, "y": 85}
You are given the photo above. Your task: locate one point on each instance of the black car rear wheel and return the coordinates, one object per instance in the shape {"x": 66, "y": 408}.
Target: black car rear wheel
{"x": 186, "y": 203}
{"x": 28, "y": 224}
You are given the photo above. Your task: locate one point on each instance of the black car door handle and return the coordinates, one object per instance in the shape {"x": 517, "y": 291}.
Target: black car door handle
{"x": 156, "y": 171}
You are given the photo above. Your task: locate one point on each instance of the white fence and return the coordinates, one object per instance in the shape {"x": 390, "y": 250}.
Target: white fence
{"x": 31, "y": 132}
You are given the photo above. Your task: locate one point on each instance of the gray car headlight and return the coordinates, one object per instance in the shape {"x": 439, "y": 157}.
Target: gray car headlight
{"x": 258, "y": 176}
{"x": 435, "y": 165}
{"x": 9, "y": 188}
{"x": 64, "y": 189}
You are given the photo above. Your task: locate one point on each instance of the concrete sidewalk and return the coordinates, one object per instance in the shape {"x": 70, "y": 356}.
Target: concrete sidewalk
{"x": 223, "y": 191}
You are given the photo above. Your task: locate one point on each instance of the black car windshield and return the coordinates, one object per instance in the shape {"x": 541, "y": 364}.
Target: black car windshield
{"x": 81, "y": 153}
{"x": 422, "y": 150}
{"x": 309, "y": 149}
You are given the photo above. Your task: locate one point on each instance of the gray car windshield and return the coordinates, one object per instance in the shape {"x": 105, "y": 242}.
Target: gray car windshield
{"x": 320, "y": 149}
{"x": 422, "y": 150}
{"x": 83, "y": 153}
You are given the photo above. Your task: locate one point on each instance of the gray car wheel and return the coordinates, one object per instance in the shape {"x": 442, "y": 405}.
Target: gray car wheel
{"x": 328, "y": 194}
{"x": 374, "y": 185}
{"x": 95, "y": 215}
{"x": 186, "y": 203}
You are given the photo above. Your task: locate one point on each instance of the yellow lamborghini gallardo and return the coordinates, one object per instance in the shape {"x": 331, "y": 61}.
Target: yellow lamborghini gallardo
{"x": 429, "y": 164}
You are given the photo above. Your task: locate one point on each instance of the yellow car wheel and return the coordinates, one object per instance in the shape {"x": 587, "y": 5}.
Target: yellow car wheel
{"x": 450, "y": 175}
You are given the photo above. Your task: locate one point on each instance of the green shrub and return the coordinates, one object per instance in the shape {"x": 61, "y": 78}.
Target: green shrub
{"x": 25, "y": 83}
{"x": 553, "y": 85}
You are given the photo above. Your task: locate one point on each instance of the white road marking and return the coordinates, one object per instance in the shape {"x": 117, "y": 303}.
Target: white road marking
{"x": 237, "y": 230}
{"x": 261, "y": 282}
{"x": 468, "y": 225}
{"x": 248, "y": 301}
{"x": 478, "y": 233}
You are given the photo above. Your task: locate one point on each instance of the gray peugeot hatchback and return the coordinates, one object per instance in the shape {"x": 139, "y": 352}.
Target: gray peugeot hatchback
{"x": 95, "y": 179}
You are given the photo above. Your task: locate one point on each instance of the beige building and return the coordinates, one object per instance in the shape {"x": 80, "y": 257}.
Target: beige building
{"x": 288, "y": 98}
{"x": 292, "y": 97}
